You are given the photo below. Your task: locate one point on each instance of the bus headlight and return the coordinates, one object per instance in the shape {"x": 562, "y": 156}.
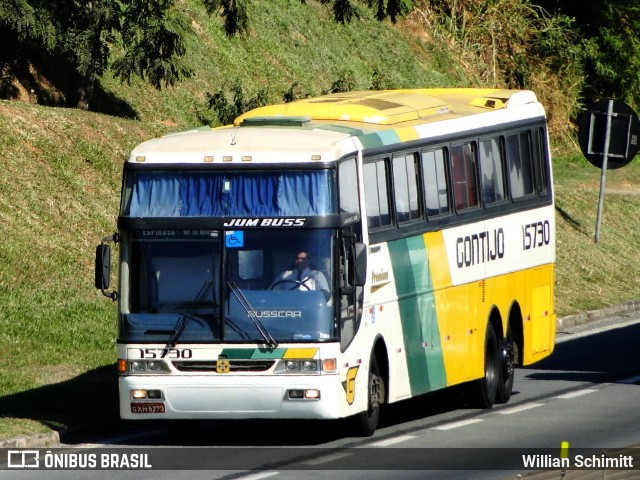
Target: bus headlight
{"x": 142, "y": 367}
{"x": 297, "y": 366}
{"x": 309, "y": 366}
{"x": 141, "y": 394}
{"x": 308, "y": 394}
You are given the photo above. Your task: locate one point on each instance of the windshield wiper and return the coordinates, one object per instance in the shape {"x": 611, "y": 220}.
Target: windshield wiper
{"x": 252, "y": 314}
{"x": 186, "y": 317}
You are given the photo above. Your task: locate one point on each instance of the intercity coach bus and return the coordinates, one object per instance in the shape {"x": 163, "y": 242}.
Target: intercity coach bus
{"x": 425, "y": 222}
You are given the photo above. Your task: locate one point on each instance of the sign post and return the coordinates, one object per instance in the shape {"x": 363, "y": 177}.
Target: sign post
{"x": 608, "y": 134}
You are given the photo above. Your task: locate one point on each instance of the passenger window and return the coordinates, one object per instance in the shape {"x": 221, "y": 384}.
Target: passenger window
{"x": 405, "y": 188}
{"x": 465, "y": 178}
{"x": 434, "y": 173}
{"x": 376, "y": 193}
{"x": 519, "y": 160}
{"x": 492, "y": 171}
{"x": 540, "y": 161}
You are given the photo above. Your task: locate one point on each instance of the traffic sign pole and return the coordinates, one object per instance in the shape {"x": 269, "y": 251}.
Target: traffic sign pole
{"x": 609, "y": 137}
{"x": 603, "y": 173}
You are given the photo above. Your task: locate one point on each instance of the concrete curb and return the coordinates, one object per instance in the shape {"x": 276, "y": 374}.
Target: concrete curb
{"x": 39, "y": 440}
{"x": 583, "y": 318}
{"x": 52, "y": 439}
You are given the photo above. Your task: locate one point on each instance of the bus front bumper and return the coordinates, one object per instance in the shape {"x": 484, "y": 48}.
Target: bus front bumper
{"x": 231, "y": 397}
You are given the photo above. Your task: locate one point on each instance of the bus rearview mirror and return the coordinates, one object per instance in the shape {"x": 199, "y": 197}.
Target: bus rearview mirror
{"x": 103, "y": 267}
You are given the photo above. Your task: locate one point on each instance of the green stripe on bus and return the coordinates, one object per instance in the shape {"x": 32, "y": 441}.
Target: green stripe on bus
{"x": 371, "y": 140}
{"x": 249, "y": 353}
{"x": 378, "y": 139}
{"x": 389, "y": 137}
{"x": 418, "y": 316}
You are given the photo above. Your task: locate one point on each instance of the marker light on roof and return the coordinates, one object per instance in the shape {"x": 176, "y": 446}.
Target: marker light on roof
{"x": 140, "y": 158}
{"x": 208, "y": 158}
{"x": 246, "y": 158}
{"x": 316, "y": 157}
{"x": 227, "y": 158}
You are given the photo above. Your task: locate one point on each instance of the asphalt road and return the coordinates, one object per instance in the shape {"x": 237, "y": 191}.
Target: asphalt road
{"x": 585, "y": 396}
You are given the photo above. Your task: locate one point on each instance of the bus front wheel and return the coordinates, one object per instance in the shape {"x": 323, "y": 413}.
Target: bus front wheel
{"x": 366, "y": 422}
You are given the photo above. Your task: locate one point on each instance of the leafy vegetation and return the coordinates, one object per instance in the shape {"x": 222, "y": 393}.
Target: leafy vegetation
{"x": 611, "y": 59}
{"x": 61, "y": 50}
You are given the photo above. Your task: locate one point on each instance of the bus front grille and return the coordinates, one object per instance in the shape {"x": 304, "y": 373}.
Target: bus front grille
{"x": 232, "y": 366}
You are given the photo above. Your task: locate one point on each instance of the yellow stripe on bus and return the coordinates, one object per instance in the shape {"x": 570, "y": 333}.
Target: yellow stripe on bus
{"x": 300, "y": 353}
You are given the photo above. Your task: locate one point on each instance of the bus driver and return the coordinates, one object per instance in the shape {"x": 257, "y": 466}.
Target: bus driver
{"x": 301, "y": 277}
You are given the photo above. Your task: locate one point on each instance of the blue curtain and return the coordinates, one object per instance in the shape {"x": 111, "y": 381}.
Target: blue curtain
{"x": 276, "y": 194}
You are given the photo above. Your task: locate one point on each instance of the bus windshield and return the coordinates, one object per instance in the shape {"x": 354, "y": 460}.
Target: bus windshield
{"x": 208, "y": 286}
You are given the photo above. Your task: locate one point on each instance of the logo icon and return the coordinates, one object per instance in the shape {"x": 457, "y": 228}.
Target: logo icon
{"x": 223, "y": 366}
{"x": 23, "y": 459}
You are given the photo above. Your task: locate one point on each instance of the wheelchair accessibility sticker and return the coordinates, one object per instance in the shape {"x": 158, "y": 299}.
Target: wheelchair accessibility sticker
{"x": 234, "y": 239}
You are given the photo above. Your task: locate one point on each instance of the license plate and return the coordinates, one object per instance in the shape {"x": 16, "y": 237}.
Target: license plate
{"x": 147, "y": 407}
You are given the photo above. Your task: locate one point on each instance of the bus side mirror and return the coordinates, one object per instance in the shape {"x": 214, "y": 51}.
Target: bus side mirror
{"x": 361, "y": 265}
{"x": 103, "y": 268}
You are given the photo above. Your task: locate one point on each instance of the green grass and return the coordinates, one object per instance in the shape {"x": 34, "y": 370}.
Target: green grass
{"x": 590, "y": 275}
{"x": 60, "y": 182}
{"x": 288, "y": 43}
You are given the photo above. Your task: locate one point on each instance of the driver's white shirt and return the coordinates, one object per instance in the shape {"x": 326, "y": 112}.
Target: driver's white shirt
{"x": 311, "y": 280}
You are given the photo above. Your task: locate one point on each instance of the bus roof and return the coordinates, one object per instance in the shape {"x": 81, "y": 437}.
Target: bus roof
{"x": 328, "y": 127}
{"x": 397, "y": 107}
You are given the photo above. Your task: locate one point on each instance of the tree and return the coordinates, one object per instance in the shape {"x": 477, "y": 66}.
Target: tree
{"x": 234, "y": 13}
{"x": 612, "y": 62}
{"x": 70, "y": 41}
{"x": 391, "y": 9}
{"x": 154, "y": 34}
{"x": 23, "y": 28}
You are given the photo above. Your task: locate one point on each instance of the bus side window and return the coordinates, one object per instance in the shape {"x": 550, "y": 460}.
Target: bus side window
{"x": 348, "y": 186}
{"x": 519, "y": 160}
{"x": 540, "y": 161}
{"x": 377, "y": 194}
{"x": 434, "y": 173}
{"x": 405, "y": 188}
{"x": 492, "y": 171}
{"x": 464, "y": 166}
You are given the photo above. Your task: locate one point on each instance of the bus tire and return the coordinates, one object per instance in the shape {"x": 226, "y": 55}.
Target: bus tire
{"x": 507, "y": 355}
{"x": 366, "y": 422}
{"x": 484, "y": 390}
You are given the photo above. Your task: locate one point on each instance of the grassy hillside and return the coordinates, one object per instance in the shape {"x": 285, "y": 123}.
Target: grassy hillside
{"x": 591, "y": 275}
{"x": 60, "y": 182}
{"x": 288, "y": 43}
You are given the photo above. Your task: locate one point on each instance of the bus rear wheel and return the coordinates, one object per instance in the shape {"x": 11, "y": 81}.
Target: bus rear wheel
{"x": 508, "y": 354}
{"x": 366, "y": 422}
{"x": 483, "y": 392}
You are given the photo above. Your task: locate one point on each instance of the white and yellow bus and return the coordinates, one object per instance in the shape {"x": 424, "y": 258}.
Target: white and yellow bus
{"x": 426, "y": 218}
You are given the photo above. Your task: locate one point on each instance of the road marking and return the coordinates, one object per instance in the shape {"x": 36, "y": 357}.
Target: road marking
{"x": 462, "y": 423}
{"x": 631, "y": 380}
{"x": 258, "y": 476}
{"x": 327, "y": 458}
{"x": 392, "y": 441}
{"x": 519, "y": 408}
{"x": 579, "y": 393}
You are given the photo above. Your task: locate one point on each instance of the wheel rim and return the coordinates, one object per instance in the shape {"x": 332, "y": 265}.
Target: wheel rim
{"x": 374, "y": 393}
{"x": 507, "y": 360}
